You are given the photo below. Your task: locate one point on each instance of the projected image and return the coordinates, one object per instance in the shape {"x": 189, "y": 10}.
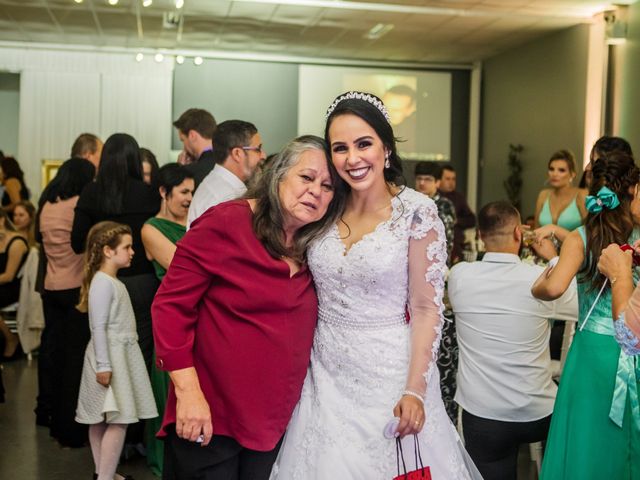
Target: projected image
{"x": 419, "y": 104}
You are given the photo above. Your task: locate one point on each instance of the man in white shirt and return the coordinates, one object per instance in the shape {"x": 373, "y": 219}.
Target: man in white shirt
{"x": 237, "y": 151}
{"x": 504, "y": 375}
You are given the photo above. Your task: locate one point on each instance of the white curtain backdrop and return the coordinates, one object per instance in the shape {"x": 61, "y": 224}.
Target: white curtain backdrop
{"x": 66, "y": 93}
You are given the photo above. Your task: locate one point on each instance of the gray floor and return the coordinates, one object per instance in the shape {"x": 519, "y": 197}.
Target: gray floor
{"x": 26, "y": 451}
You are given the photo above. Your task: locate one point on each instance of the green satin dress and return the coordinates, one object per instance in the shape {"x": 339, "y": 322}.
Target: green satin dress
{"x": 595, "y": 428}
{"x": 160, "y": 379}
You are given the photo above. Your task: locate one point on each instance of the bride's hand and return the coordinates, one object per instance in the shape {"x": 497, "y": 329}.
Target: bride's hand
{"x": 410, "y": 410}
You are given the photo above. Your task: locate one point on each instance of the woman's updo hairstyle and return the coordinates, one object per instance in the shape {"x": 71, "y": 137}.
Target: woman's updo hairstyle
{"x": 375, "y": 118}
{"x": 618, "y": 172}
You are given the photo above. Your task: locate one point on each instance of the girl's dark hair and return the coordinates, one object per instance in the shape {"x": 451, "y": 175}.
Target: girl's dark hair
{"x": 565, "y": 155}
{"x": 268, "y": 218}
{"x": 11, "y": 168}
{"x": 71, "y": 178}
{"x": 147, "y": 155}
{"x": 376, "y": 120}
{"x": 172, "y": 175}
{"x": 119, "y": 164}
{"x": 618, "y": 172}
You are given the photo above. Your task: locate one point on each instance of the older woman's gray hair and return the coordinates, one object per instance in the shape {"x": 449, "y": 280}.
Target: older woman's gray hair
{"x": 268, "y": 217}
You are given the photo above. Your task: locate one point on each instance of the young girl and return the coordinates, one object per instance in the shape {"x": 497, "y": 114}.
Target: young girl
{"x": 115, "y": 388}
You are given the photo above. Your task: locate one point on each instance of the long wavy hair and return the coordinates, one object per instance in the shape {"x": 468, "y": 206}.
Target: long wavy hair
{"x": 102, "y": 234}
{"x": 618, "y": 172}
{"x": 268, "y": 218}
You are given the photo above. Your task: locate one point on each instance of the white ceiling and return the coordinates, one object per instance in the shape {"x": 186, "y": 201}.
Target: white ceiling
{"x": 447, "y": 31}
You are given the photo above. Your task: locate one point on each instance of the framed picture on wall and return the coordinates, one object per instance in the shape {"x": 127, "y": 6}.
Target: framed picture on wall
{"x": 49, "y": 170}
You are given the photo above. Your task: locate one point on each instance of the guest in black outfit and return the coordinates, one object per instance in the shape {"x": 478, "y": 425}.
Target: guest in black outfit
{"x": 150, "y": 167}
{"x": 119, "y": 194}
{"x": 195, "y": 129}
{"x": 465, "y": 218}
{"x": 13, "y": 254}
{"x": 66, "y": 331}
{"x": 12, "y": 179}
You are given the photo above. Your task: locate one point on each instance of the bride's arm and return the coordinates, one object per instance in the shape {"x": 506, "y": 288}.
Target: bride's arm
{"x": 427, "y": 266}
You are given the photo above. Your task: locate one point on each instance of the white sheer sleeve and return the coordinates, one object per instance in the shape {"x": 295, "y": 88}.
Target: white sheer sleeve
{"x": 101, "y": 293}
{"x": 427, "y": 267}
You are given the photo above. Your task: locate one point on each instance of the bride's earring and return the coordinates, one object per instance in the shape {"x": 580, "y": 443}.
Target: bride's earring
{"x": 387, "y": 162}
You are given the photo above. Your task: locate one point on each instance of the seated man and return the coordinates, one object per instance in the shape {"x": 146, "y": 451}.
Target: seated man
{"x": 504, "y": 374}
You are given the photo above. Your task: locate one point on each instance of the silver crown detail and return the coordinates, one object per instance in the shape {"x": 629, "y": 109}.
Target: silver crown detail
{"x": 359, "y": 96}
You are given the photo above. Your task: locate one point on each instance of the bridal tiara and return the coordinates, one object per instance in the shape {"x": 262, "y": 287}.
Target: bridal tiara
{"x": 359, "y": 96}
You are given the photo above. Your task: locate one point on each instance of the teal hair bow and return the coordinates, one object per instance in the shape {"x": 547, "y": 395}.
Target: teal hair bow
{"x": 605, "y": 198}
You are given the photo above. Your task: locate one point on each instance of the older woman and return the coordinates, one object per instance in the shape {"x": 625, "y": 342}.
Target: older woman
{"x": 235, "y": 315}
{"x": 160, "y": 235}
{"x": 616, "y": 265}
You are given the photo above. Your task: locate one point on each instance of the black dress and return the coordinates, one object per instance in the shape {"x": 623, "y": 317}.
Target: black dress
{"x": 10, "y": 292}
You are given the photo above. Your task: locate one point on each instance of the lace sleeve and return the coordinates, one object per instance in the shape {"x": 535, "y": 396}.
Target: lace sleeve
{"x": 625, "y": 337}
{"x": 427, "y": 266}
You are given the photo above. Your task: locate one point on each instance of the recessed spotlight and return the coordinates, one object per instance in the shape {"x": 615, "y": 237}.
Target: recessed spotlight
{"x": 198, "y": 60}
{"x": 179, "y": 3}
{"x": 147, "y": 3}
{"x": 159, "y": 57}
{"x": 78, "y": 1}
{"x": 139, "y": 57}
{"x": 113, "y": 2}
{"x": 179, "y": 59}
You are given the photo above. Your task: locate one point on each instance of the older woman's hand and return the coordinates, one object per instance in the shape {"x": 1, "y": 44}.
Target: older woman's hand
{"x": 410, "y": 411}
{"x": 193, "y": 415}
{"x": 615, "y": 263}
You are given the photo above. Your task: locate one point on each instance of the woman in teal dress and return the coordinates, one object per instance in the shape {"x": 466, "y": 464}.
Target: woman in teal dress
{"x": 595, "y": 428}
{"x": 560, "y": 208}
{"x": 160, "y": 235}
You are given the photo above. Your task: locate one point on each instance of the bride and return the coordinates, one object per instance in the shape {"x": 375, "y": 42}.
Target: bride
{"x": 379, "y": 274}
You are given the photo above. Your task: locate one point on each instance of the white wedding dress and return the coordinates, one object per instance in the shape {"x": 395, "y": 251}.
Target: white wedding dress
{"x": 362, "y": 358}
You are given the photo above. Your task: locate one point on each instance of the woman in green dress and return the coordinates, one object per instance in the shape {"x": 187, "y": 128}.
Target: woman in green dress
{"x": 595, "y": 428}
{"x": 159, "y": 235}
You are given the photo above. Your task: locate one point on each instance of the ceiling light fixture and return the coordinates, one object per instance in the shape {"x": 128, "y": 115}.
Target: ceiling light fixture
{"x": 139, "y": 57}
{"x": 198, "y": 61}
{"x": 179, "y": 4}
{"x": 113, "y": 2}
{"x": 78, "y": 1}
{"x": 147, "y": 3}
{"x": 378, "y": 31}
{"x": 179, "y": 59}
{"x": 159, "y": 57}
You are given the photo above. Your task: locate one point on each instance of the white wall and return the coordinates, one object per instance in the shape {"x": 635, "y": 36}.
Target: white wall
{"x": 9, "y": 107}
{"x": 66, "y": 93}
{"x": 533, "y": 95}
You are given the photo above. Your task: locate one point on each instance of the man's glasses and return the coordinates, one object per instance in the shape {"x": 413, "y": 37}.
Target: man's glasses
{"x": 255, "y": 149}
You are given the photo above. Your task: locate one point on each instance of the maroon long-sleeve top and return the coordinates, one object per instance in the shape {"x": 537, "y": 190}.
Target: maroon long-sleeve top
{"x": 229, "y": 309}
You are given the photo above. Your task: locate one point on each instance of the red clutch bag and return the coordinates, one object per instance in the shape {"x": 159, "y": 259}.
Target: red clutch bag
{"x": 422, "y": 473}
